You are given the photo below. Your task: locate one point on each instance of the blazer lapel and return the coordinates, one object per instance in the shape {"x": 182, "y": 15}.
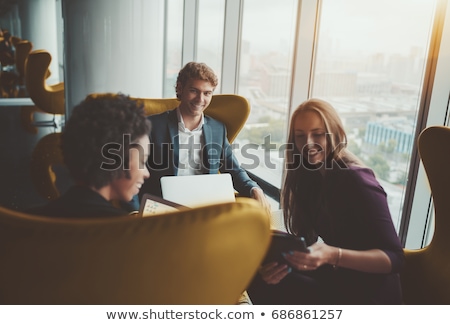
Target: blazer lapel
{"x": 212, "y": 150}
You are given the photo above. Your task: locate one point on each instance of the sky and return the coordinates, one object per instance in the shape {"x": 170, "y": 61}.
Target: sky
{"x": 375, "y": 24}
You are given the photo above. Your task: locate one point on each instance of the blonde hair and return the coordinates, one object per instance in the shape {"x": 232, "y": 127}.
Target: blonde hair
{"x": 336, "y": 136}
{"x": 336, "y": 152}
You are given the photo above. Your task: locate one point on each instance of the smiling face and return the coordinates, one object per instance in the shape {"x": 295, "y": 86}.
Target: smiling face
{"x": 124, "y": 188}
{"x": 194, "y": 97}
{"x": 310, "y": 136}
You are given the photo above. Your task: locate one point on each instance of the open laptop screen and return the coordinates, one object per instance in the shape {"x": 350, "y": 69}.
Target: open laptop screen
{"x": 196, "y": 190}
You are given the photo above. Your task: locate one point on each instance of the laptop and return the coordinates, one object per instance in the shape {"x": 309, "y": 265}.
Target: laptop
{"x": 197, "y": 190}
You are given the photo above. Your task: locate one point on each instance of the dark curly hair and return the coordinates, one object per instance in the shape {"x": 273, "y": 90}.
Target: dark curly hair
{"x": 198, "y": 71}
{"x": 100, "y": 120}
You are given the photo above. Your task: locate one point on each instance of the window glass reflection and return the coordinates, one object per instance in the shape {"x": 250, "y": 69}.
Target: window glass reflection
{"x": 173, "y": 43}
{"x": 265, "y": 76}
{"x": 369, "y": 64}
{"x": 210, "y": 34}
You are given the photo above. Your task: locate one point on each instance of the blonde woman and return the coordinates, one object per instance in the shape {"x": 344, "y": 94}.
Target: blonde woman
{"x": 335, "y": 202}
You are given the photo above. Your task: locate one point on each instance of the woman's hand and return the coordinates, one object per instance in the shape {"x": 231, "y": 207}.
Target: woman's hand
{"x": 320, "y": 253}
{"x": 273, "y": 273}
{"x": 372, "y": 260}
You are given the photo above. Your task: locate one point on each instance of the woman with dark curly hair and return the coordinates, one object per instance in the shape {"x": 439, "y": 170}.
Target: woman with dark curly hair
{"x": 105, "y": 146}
{"x": 336, "y": 203}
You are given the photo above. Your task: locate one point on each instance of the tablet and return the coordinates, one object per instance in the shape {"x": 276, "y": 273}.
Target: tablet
{"x": 151, "y": 205}
{"x": 282, "y": 242}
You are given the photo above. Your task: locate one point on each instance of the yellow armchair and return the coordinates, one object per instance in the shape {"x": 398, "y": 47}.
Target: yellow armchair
{"x": 207, "y": 255}
{"x": 232, "y": 110}
{"x": 15, "y": 40}
{"x": 426, "y": 274}
{"x": 44, "y": 157}
{"x": 48, "y": 98}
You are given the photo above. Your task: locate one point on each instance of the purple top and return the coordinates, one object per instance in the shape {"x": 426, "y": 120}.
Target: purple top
{"x": 356, "y": 216}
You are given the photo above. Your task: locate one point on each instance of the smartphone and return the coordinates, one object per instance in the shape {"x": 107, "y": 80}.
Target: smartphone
{"x": 283, "y": 242}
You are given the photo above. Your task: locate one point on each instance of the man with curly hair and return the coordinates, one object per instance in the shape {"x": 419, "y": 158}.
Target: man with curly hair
{"x": 105, "y": 146}
{"x": 187, "y": 142}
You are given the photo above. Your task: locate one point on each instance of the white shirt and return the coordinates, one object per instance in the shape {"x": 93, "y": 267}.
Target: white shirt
{"x": 191, "y": 143}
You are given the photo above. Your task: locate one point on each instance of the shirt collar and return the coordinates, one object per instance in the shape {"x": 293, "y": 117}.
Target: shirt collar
{"x": 181, "y": 125}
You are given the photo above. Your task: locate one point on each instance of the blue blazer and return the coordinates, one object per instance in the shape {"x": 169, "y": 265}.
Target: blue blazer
{"x": 217, "y": 153}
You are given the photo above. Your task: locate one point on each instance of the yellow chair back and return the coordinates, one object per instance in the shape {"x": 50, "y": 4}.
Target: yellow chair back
{"x": 426, "y": 275}
{"x": 232, "y": 110}
{"x": 15, "y": 40}
{"x": 201, "y": 256}
{"x": 48, "y": 98}
{"x": 44, "y": 157}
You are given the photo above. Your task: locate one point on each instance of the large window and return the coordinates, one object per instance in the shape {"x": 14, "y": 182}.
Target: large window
{"x": 370, "y": 64}
{"x": 368, "y": 58}
{"x": 373, "y": 60}
{"x": 366, "y": 63}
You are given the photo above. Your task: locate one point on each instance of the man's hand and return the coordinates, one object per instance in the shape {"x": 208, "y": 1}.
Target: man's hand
{"x": 259, "y": 195}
